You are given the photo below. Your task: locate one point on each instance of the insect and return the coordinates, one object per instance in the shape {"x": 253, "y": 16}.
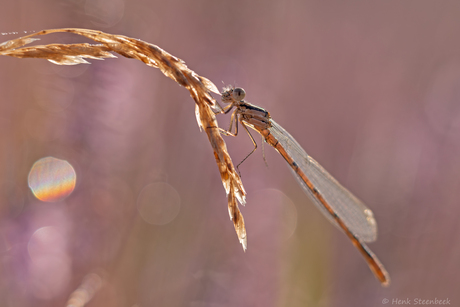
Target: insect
{"x": 339, "y": 206}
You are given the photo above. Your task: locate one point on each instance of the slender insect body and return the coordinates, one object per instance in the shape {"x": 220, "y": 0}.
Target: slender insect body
{"x": 339, "y": 206}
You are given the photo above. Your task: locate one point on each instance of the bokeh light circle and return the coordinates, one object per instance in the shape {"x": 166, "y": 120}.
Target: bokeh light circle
{"x": 158, "y": 203}
{"x": 105, "y": 13}
{"x": 52, "y": 179}
{"x": 278, "y": 218}
{"x": 50, "y": 266}
{"x": 45, "y": 241}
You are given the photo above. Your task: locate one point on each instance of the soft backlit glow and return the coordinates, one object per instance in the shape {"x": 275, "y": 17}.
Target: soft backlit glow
{"x": 45, "y": 241}
{"x": 158, "y": 203}
{"x": 105, "y": 13}
{"x": 278, "y": 217}
{"x": 50, "y": 265}
{"x": 52, "y": 179}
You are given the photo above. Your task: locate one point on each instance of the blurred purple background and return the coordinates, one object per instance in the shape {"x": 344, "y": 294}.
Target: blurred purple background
{"x": 370, "y": 90}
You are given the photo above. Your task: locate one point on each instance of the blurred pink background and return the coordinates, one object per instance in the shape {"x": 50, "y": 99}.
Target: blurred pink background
{"x": 370, "y": 90}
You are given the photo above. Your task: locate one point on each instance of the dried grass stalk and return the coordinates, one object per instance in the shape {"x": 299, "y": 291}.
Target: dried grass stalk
{"x": 90, "y": 284}
{"x": 200, "y": 89}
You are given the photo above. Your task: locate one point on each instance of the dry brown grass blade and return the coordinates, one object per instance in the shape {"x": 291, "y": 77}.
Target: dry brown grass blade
{"x": 233, "y": 187}
{"x": 16, "y": 43}
{"x": 199, "y": 87}
{"x": 237, "y": 218}
{"x": 70, "y": 54}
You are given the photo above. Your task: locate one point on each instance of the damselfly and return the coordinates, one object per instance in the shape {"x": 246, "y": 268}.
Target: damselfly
{"x": 341, "y": 207}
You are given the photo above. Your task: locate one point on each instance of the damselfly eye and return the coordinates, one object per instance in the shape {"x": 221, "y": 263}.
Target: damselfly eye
{"x": 238, "y": 94}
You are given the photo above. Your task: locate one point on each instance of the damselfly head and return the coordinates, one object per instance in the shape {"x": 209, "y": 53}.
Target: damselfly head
{"x": 231, "y": 94}
{"x": 238, "y": 94}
